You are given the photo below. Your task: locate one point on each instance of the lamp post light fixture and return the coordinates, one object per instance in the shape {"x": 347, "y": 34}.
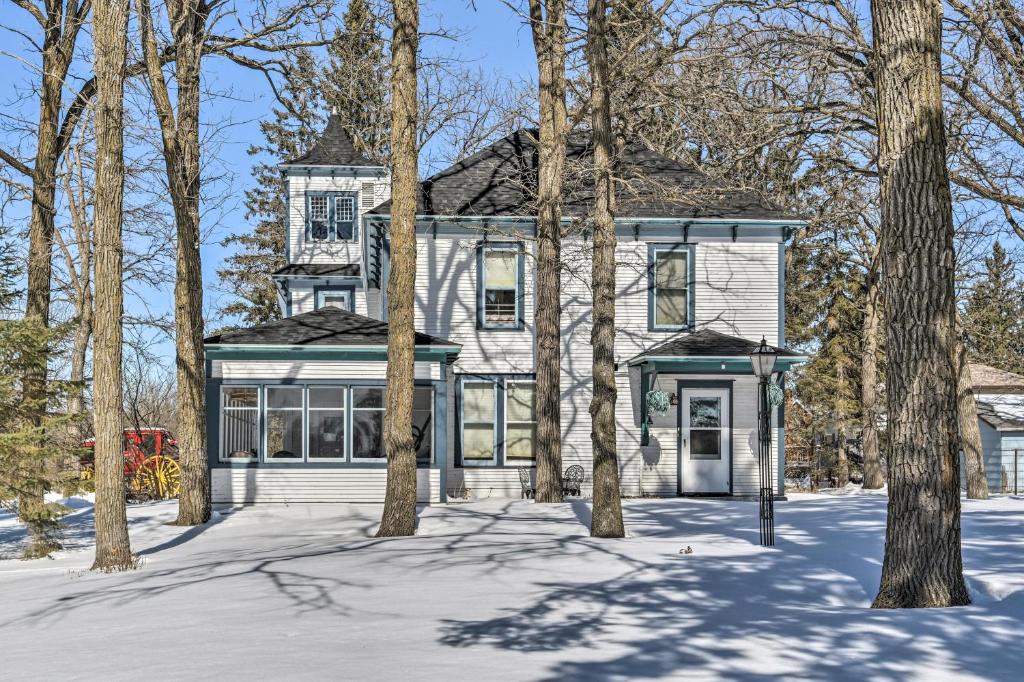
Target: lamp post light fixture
{"x": 762, "y": 359}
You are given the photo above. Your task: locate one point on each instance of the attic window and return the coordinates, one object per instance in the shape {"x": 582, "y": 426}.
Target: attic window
{"x": 367, "y": 195}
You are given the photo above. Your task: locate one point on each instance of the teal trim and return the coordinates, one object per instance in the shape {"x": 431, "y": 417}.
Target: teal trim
{"x": 652, "y": 287}
{"x": 299, "y": 353}
{"x": 441, "y": 429}
{"x": 714, "y": 365}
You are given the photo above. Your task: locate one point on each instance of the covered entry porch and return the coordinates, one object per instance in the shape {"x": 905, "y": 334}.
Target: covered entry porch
{"x": 697, "y": 399}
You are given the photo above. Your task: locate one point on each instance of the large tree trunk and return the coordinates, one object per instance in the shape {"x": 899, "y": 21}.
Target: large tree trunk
{"x": 399, "y": 515}
{"x": 606, "y": 521}
{"x": 110, "y": 27}
{"x": 970, "y": 434}
{"x": 180, "y": 136}
{"x": 547, "y": 20}
{"x": 922, "y": 565}
{"x": 873, "y": 476}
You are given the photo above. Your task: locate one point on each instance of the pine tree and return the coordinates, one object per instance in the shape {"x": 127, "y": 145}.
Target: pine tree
{"x": 994, "y": 315}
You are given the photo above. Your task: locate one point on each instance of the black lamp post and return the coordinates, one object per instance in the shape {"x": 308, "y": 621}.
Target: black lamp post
{"x": 762, "y": 358}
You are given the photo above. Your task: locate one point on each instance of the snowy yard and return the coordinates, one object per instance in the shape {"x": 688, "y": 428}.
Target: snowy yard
{"x": 510, "y": 590}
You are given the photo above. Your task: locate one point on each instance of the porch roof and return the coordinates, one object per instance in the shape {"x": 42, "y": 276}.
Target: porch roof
{"x": 1002, "y": 416}
{"x": 323, "y": 333}
{"x": 710, "y": 349}
{"x": 318, "y": 270}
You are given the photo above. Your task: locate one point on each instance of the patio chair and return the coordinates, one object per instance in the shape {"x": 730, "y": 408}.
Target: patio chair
{"x": 572, "y": 480}
{"x": 527, "y": 485}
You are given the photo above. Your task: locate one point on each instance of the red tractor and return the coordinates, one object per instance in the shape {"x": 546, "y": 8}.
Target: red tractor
{"x": 150, "y": 463}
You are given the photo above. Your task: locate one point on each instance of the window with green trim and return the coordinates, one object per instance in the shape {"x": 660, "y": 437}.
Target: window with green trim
{"x": 670, "y": 287}
{"x": 498, "y": 420}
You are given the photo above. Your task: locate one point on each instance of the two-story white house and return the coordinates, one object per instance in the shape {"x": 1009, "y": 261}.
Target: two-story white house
{"x": 295, "y": 406}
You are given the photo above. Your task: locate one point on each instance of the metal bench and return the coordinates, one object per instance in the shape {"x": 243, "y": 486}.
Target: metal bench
{"x": 572, "y": 480}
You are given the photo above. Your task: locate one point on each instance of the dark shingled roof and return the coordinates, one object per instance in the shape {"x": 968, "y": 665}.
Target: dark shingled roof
{"x": 501, "y": 181}
{"x": 707, "y": 343}
{"x": 334, "y": 148}
{"x": 327, "y": 326}
{"x": 320, "y": 270}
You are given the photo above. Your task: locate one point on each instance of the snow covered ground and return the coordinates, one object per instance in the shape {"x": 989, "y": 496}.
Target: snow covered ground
{"x": 504, "y": 590}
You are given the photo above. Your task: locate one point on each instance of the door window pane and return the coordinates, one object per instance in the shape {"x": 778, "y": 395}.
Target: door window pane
{"x": 705, "y": 444}
{"x": 706, "y": 412}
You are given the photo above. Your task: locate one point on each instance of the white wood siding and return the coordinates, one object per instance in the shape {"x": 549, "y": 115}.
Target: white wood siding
{"x": 446, "y": 287}
{"x": 303, "y": 251}
{"x": 313, "y": 369}
{"x": 310, "y": 484}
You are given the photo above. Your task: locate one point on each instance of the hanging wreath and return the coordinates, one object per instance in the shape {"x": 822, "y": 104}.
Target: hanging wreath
{"x": 775, "y": 395}
{"x": 657, "y": 402}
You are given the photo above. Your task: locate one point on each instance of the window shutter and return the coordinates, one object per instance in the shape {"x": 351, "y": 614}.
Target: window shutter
{"x": 367, "y": 195}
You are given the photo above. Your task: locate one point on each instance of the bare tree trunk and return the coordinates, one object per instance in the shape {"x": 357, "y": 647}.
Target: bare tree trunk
{"x": 181, "y": 156}
{"x": 60, "y": 25}
{"x": 110, "y": 27}
{"x": 606, "y": 520}
{"x": 547, "y": 20}
{"x": 79, "y": 354}
{"x": 399, "y": 515}
{"x": 873, "y": 476}
{"x": 922, "y": 565}
{"x": 842, "y": 461}
{"x": 970, "y": 434}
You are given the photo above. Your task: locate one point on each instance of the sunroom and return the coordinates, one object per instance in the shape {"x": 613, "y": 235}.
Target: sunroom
{"x": 296, "y": 410}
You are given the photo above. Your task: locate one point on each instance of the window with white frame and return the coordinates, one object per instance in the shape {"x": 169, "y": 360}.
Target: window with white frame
{"x": 520, "y": 422}
{"x": 479, "y": 418}
{"x": 240, "y": 422}
{"x": 284, "y": 422}
{"x": 501, "y": 286}
{"x": 331, "y": 216}
{"x": 670, "y": 288}
{"x": 326, "y": 437}
{"x": 368, "y": 423}
{"x": 334, "y": 298}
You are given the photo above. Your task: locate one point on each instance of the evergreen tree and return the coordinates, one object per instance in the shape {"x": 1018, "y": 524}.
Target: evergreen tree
{"x": 994, "y": 315}
{"x": 353, "y": 83}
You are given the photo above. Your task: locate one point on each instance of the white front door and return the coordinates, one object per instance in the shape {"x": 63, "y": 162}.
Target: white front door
{"x": 705, "y": 433}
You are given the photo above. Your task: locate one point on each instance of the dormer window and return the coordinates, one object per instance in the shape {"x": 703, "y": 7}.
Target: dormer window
{"x": 331, "y": 216}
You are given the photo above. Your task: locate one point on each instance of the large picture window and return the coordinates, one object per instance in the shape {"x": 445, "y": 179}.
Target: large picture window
{"x": 501, "y": 286}
{"x": 284, "y": 422}
{"x": 240, "y": 422}
{"x": 331, "y": 216}
{"x": 498, "y": 417}
{"x": 317, "y": 423}
{"x": 670, "y": 294}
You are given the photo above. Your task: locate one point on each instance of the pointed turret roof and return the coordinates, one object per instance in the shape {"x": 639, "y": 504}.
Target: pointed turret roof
{"x": 334, "y": 148}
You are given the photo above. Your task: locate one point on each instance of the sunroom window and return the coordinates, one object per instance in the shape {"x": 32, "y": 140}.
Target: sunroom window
{"x": 240, "y": 421}
{"x": 368, "y": 423}
{"x": 284, "y": 422}
{"x": 326, "y": 422}
{"x": 670, "y": 289}
{"x": 501, "y": 287}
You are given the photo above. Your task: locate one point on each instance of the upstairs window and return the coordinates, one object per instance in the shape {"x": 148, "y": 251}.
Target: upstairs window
{"x": 500, "y": 298}
{"x": 331, "y": 216}
{"x": 670, "y": 307}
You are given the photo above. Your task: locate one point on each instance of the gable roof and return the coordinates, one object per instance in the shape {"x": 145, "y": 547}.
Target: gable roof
{"x": 333, "y": 148}
{"x": 327, "y": 326}
{"x": 501, "y": 180}
{"x": 987, "y": 379}
{"x": 706, "y": 343}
